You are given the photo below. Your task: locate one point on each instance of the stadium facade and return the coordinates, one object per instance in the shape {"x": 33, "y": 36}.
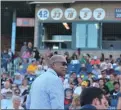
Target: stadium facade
{"x": 68, "y": 24}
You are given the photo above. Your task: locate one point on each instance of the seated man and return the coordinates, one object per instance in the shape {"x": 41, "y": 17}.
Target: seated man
{"x": 115, "y": 94}
{"x": 32, "y": 67}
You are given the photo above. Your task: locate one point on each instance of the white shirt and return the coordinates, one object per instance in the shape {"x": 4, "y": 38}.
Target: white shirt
{"x": 11, "y": 107}
{"x": 4, "y": 90}
{"x": 75, "y": 61}
{"x": 47, "y": 92}
{"x": 66, "y": 84}
{"x": 5, "y": 103}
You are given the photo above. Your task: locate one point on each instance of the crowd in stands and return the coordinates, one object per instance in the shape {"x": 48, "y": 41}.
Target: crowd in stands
{"x": 84, "y": 70}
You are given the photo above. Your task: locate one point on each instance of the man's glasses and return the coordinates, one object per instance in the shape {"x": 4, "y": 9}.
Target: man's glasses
{"x": 17, "y": 92}
{"x": 63, "y": 63}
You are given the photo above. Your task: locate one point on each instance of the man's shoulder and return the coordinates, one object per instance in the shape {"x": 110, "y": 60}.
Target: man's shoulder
{"x": 88, "y": 106}
{"x": 47, "y": 76}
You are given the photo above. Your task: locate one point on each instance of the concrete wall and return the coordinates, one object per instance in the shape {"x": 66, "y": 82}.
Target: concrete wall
{"x": 91, "y": 52}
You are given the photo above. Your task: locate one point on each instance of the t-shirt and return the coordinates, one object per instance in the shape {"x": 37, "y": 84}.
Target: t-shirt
{"x": 32, "y": 68}
{"x": 110, "y": 85}
{"x": 4, "y": 90}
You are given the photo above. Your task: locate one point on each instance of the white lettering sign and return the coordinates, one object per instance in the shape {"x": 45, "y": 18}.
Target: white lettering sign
{"x": 56, "y": 14}
{"x": 43, "y": 14}
{"x": 99, "y": 14}
{"x": 70, "y": 14}
{"x": 85, "y": 14}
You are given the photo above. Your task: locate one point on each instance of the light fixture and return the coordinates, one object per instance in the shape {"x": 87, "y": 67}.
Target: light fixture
{"x": 66, "y": 26}
{"x": 97, "y": 26}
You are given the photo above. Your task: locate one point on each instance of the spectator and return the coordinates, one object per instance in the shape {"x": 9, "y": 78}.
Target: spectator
{"x": 6, "y": 100}
{"x": 74, "y": 59}
{"x": 36, "y": 53}
{"x": 114, "y": 94}
{"x": 5, "y": 59}
{"x": 96, "y": 71}
{"x": 102, "y": 57}
{"x": 18, "y": 79}
{"x": 29, "y": 47}
{"x": 118, "y": 59}
{"x": 83, "y": 59}
{"x": 95, "y": 61}
{"x": 26, "y": 54}
{"x": 75, "y": 103}
{"x": 109, "y": 84}
{"x": 7, "y": 87}
{"x": 103, "y": 86}
{"x": 66, "y": 55}
{"x": 39, "y": 70}
{"x": 44, "y": 65}
{"x": 16, "y": 103}
{"x": 88, "y": 58}
{"x": 68, "y": 98}
{"x": 111, "y": 59}
{"x": 3, "y": 79}
{"x": 93, "y": 98}
{"x": 32, "y": 67}
{"x": 23, "y": 49}
{"x": 17, "y": 92}
{"x": 10, "y": 53}
{"x": 52, "y": 96}
{"x": 23, "y": 67}
{"x": 24, "y": 85}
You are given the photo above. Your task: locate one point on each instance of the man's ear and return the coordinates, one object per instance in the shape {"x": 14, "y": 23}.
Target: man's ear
{"x": 53, "y": 65}
{"x": 95, "y": 102}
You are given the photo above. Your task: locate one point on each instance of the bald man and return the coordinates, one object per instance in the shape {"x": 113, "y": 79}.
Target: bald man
{"x": 47, "y": 90}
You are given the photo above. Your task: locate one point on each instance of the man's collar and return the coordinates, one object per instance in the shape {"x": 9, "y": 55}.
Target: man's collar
{"x": 52, "y": 71}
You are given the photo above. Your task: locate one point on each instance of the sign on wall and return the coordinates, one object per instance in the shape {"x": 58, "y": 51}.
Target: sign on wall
{"x": 43, "y": 14}
{"x": 99, "y": 14}
{"x": 56, "y": 14}
{"x": 85, "y": 14}
{"x": 118, "y": 13}
{"x": 71, "y": 14}
{"x": 25, "y": 22}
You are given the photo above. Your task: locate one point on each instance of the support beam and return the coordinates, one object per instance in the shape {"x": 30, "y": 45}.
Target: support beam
{"x": 13, "y": 36}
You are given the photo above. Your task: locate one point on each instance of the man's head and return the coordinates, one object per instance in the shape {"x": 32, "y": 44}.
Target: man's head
{"x": 93, "y": 96}
{"x": 17, "y": 92}
{"x": 58, "y": 64}
{"x": 7, "y": 84}
{"x": 116, "y": 86}
{"x": 29, "y": 44}
{"x": 107, "y": 60}
{"x": 112, "y": 77}
{"x": 16, "y": 102}
{"x": 34, "y": 62}
{"x": 103, "y": 73}
{"x": 101, "y": 82}
{"x": 73, "y": 75}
